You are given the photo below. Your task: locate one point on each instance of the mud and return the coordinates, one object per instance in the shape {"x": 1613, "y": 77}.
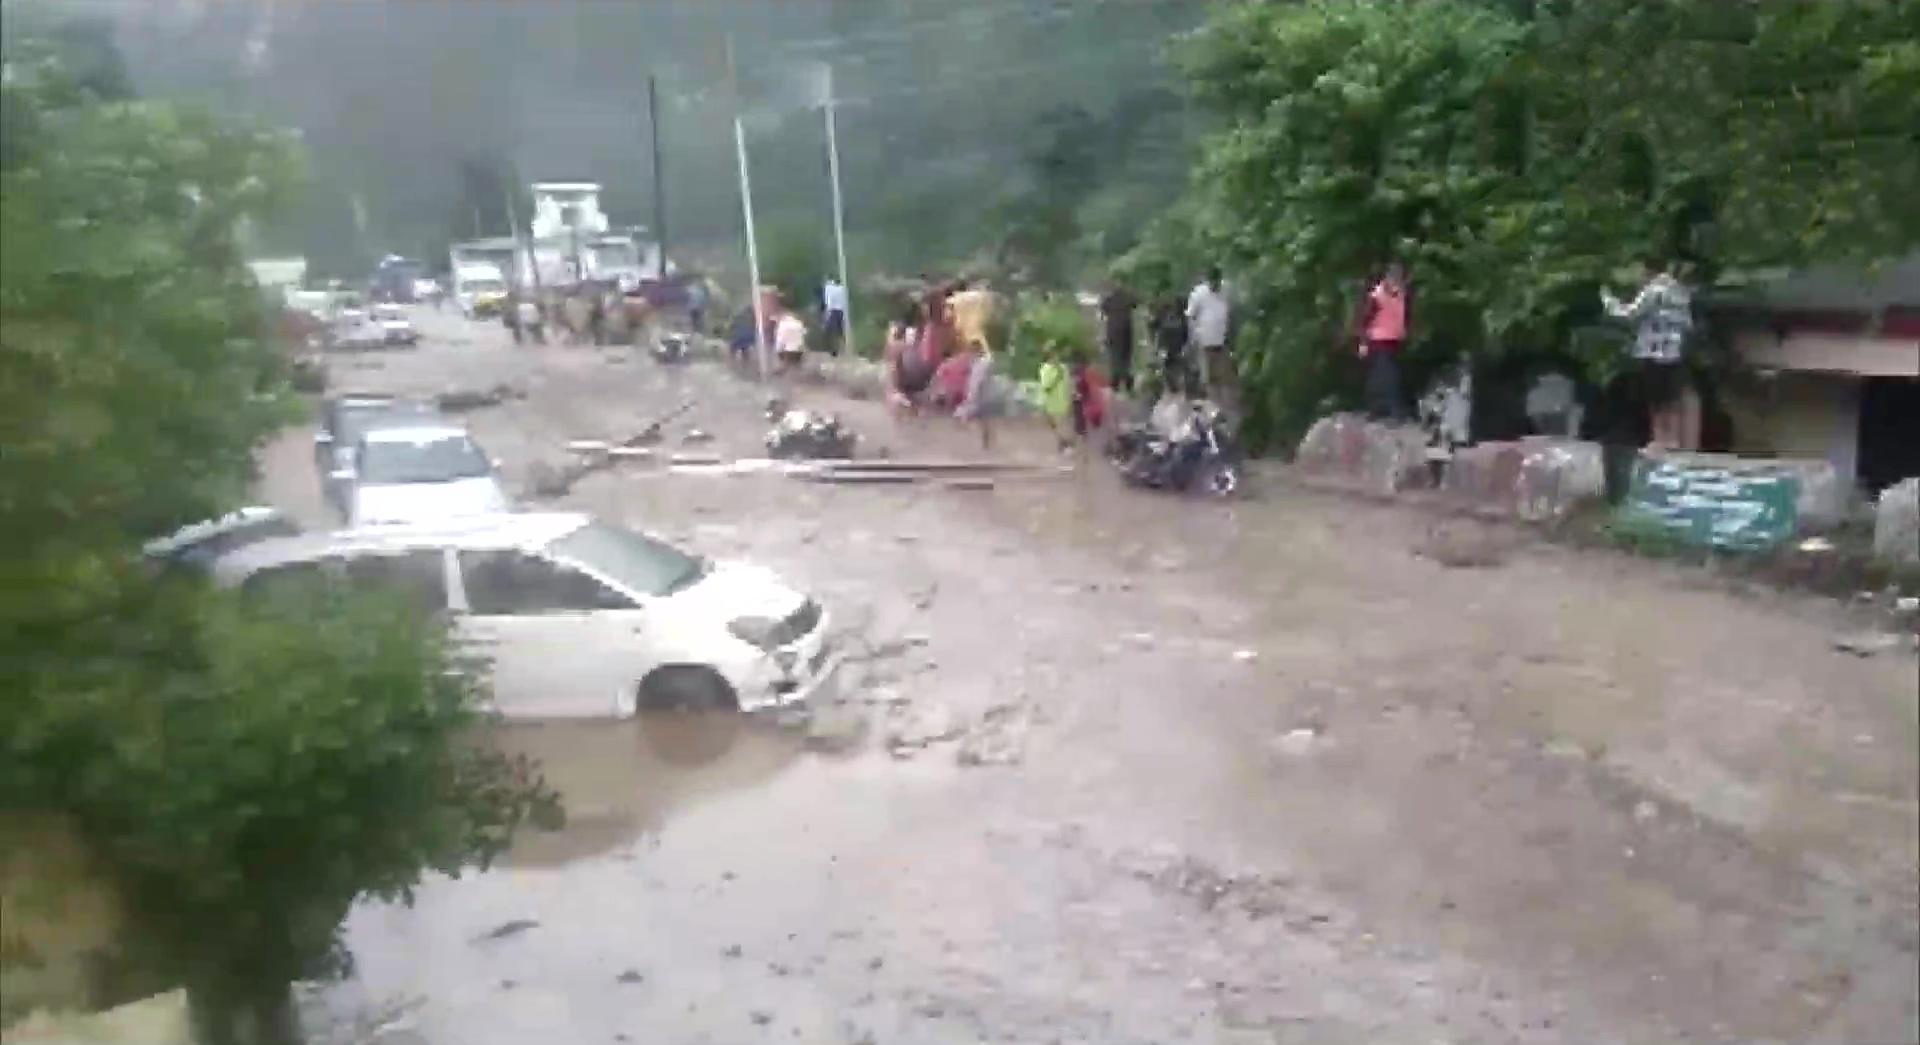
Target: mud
{"x": 1173, "y": 772}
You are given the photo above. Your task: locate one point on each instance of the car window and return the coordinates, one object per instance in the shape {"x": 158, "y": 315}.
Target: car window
{"x": 506, "y": 583}
{"x": 634, "y": 560}
{"x": 432, "y": 459}
{"x": 420, "y": 575}
{"x": 277, "y": 580}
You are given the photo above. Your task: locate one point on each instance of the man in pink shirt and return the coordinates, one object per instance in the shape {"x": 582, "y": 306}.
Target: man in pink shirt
{"x": 1383, "y": 335}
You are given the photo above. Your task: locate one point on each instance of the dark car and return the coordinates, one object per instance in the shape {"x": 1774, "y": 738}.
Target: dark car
{"x": 344, "y": 419}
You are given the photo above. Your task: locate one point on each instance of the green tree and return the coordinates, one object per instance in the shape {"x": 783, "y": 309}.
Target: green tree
{"x": 244, "y": 769}
{"x": 1519, "y": 155}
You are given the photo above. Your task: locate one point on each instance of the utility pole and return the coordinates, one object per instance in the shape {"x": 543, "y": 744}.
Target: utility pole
{"x": 523, "y": 246}
{"x": 839, "y": 217}
{"x": 746, "y": 206}
{"x": 479, "y": 228}
{"x": 659, "y": 179}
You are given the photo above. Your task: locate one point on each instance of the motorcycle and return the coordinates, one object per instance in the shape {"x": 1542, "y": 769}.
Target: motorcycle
{"x": 1199, "y": 444}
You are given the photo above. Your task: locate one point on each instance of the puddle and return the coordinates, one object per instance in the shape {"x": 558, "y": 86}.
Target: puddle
{"x": 621, "y": 781}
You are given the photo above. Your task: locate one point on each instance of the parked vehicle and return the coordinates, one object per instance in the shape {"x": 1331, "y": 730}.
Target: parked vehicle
{"x": 422, "y": 471}
{"x": 198, "y": 545}
{"x": 580, "y": 618}
{"x": 343, "y": 420}
{"x": 395, "y": 327}
{"x": 1197, "y": 444}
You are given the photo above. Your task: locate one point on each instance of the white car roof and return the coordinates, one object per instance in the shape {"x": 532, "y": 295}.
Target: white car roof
{"x": 523, "y": 530}
{"x": 413, "y": 430}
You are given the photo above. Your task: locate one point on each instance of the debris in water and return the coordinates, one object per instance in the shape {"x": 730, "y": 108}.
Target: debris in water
{"x": 762, "y": 1017}
{"x": 1867, "y": 644}
{"x": 1296, "y": 742}
{"x": 732, "y": 951}
{"x": 921, "y": 727}
{"x": 506, "y": 929}
{"x": 697, "y": 435}
{"x": 999, "y": 740}
{"x": 631, "y": 976}
{"x": 1245, "y": 656}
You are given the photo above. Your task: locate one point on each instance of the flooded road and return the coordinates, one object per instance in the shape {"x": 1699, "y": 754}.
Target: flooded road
{"x": 1108, "y": 767}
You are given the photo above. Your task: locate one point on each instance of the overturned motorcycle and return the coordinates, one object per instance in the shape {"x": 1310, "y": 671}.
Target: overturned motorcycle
{"x": 805, "y": 435}
{"x": 1192, "y": 443}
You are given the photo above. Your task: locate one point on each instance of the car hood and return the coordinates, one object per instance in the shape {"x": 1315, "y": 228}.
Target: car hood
{"x": 732, "y": 590}
{"x": 427, "y": 502}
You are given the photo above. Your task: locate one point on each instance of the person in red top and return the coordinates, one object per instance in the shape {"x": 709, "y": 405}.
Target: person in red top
{"x": 1383, "y": 336}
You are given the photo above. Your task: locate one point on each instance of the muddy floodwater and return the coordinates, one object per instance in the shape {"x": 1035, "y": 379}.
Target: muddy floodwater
{"x": 1111, "y": 767}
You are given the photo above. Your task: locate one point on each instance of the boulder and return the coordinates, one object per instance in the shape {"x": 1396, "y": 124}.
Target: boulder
{"x": 1376, "y": 457}
{"x": 1896, "y": 522}
{"x": 1538, "y": 478}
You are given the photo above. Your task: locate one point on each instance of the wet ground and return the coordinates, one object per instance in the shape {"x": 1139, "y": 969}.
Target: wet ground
{"x": 1112, "y": 767}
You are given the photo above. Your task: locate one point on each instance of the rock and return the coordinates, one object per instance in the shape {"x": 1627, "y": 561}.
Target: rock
{"x": 1000, "y": 739}
{"x": 836, "y": 730}
{"x": 631, "y": 976}
{"x": 1465, "y": 544}
{"x": 762, "y": 1017}
{"x": 921, "y": 727}
{"x": 1896, "y": 522}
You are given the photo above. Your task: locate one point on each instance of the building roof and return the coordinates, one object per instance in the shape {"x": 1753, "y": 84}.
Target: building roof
{"x": 1829, "y": 288}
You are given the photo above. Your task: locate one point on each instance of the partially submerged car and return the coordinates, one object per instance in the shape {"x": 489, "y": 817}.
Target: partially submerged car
{"x": 423, "y": 471}
{"x": 395, "y": 327}
{"x": 199, "y": 544}
{"x": 581, "y": 619}
{"x": 345, "y": 417}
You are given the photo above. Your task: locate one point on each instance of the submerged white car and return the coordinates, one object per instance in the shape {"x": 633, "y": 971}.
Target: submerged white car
{"x": 579, "y": 618}
{"x": 395, "y": 327}
{"x": 419, "y": 472}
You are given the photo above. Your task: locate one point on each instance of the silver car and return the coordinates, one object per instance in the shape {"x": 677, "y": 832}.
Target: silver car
{"x": 422, "y": 472}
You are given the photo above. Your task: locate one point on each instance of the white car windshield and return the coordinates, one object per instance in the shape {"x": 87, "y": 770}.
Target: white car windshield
{"x": 431, "y": 459}
{"x": 640, "y": 563}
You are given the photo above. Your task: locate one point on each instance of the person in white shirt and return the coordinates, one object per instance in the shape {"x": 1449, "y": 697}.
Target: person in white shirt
{"x": 1208, "y": 317}
{"x": 833, "y": 315}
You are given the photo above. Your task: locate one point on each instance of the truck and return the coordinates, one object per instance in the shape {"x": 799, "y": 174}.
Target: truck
{"x": 477, "y": 275}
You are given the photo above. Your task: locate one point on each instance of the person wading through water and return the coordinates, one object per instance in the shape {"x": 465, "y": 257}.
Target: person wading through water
{"x": 1382, "y": 323}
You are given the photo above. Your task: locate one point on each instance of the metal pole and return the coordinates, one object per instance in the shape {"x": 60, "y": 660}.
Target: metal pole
{"x": 839, "y": 219}
{"x": 659, "y": 180}
{"x": 746, "y": 206}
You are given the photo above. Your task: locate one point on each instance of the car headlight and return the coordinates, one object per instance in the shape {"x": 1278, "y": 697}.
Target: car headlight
{"x": 758, "y": 632}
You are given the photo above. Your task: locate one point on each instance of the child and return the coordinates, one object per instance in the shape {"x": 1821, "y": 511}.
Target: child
{"x": 1056, "y": 396}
